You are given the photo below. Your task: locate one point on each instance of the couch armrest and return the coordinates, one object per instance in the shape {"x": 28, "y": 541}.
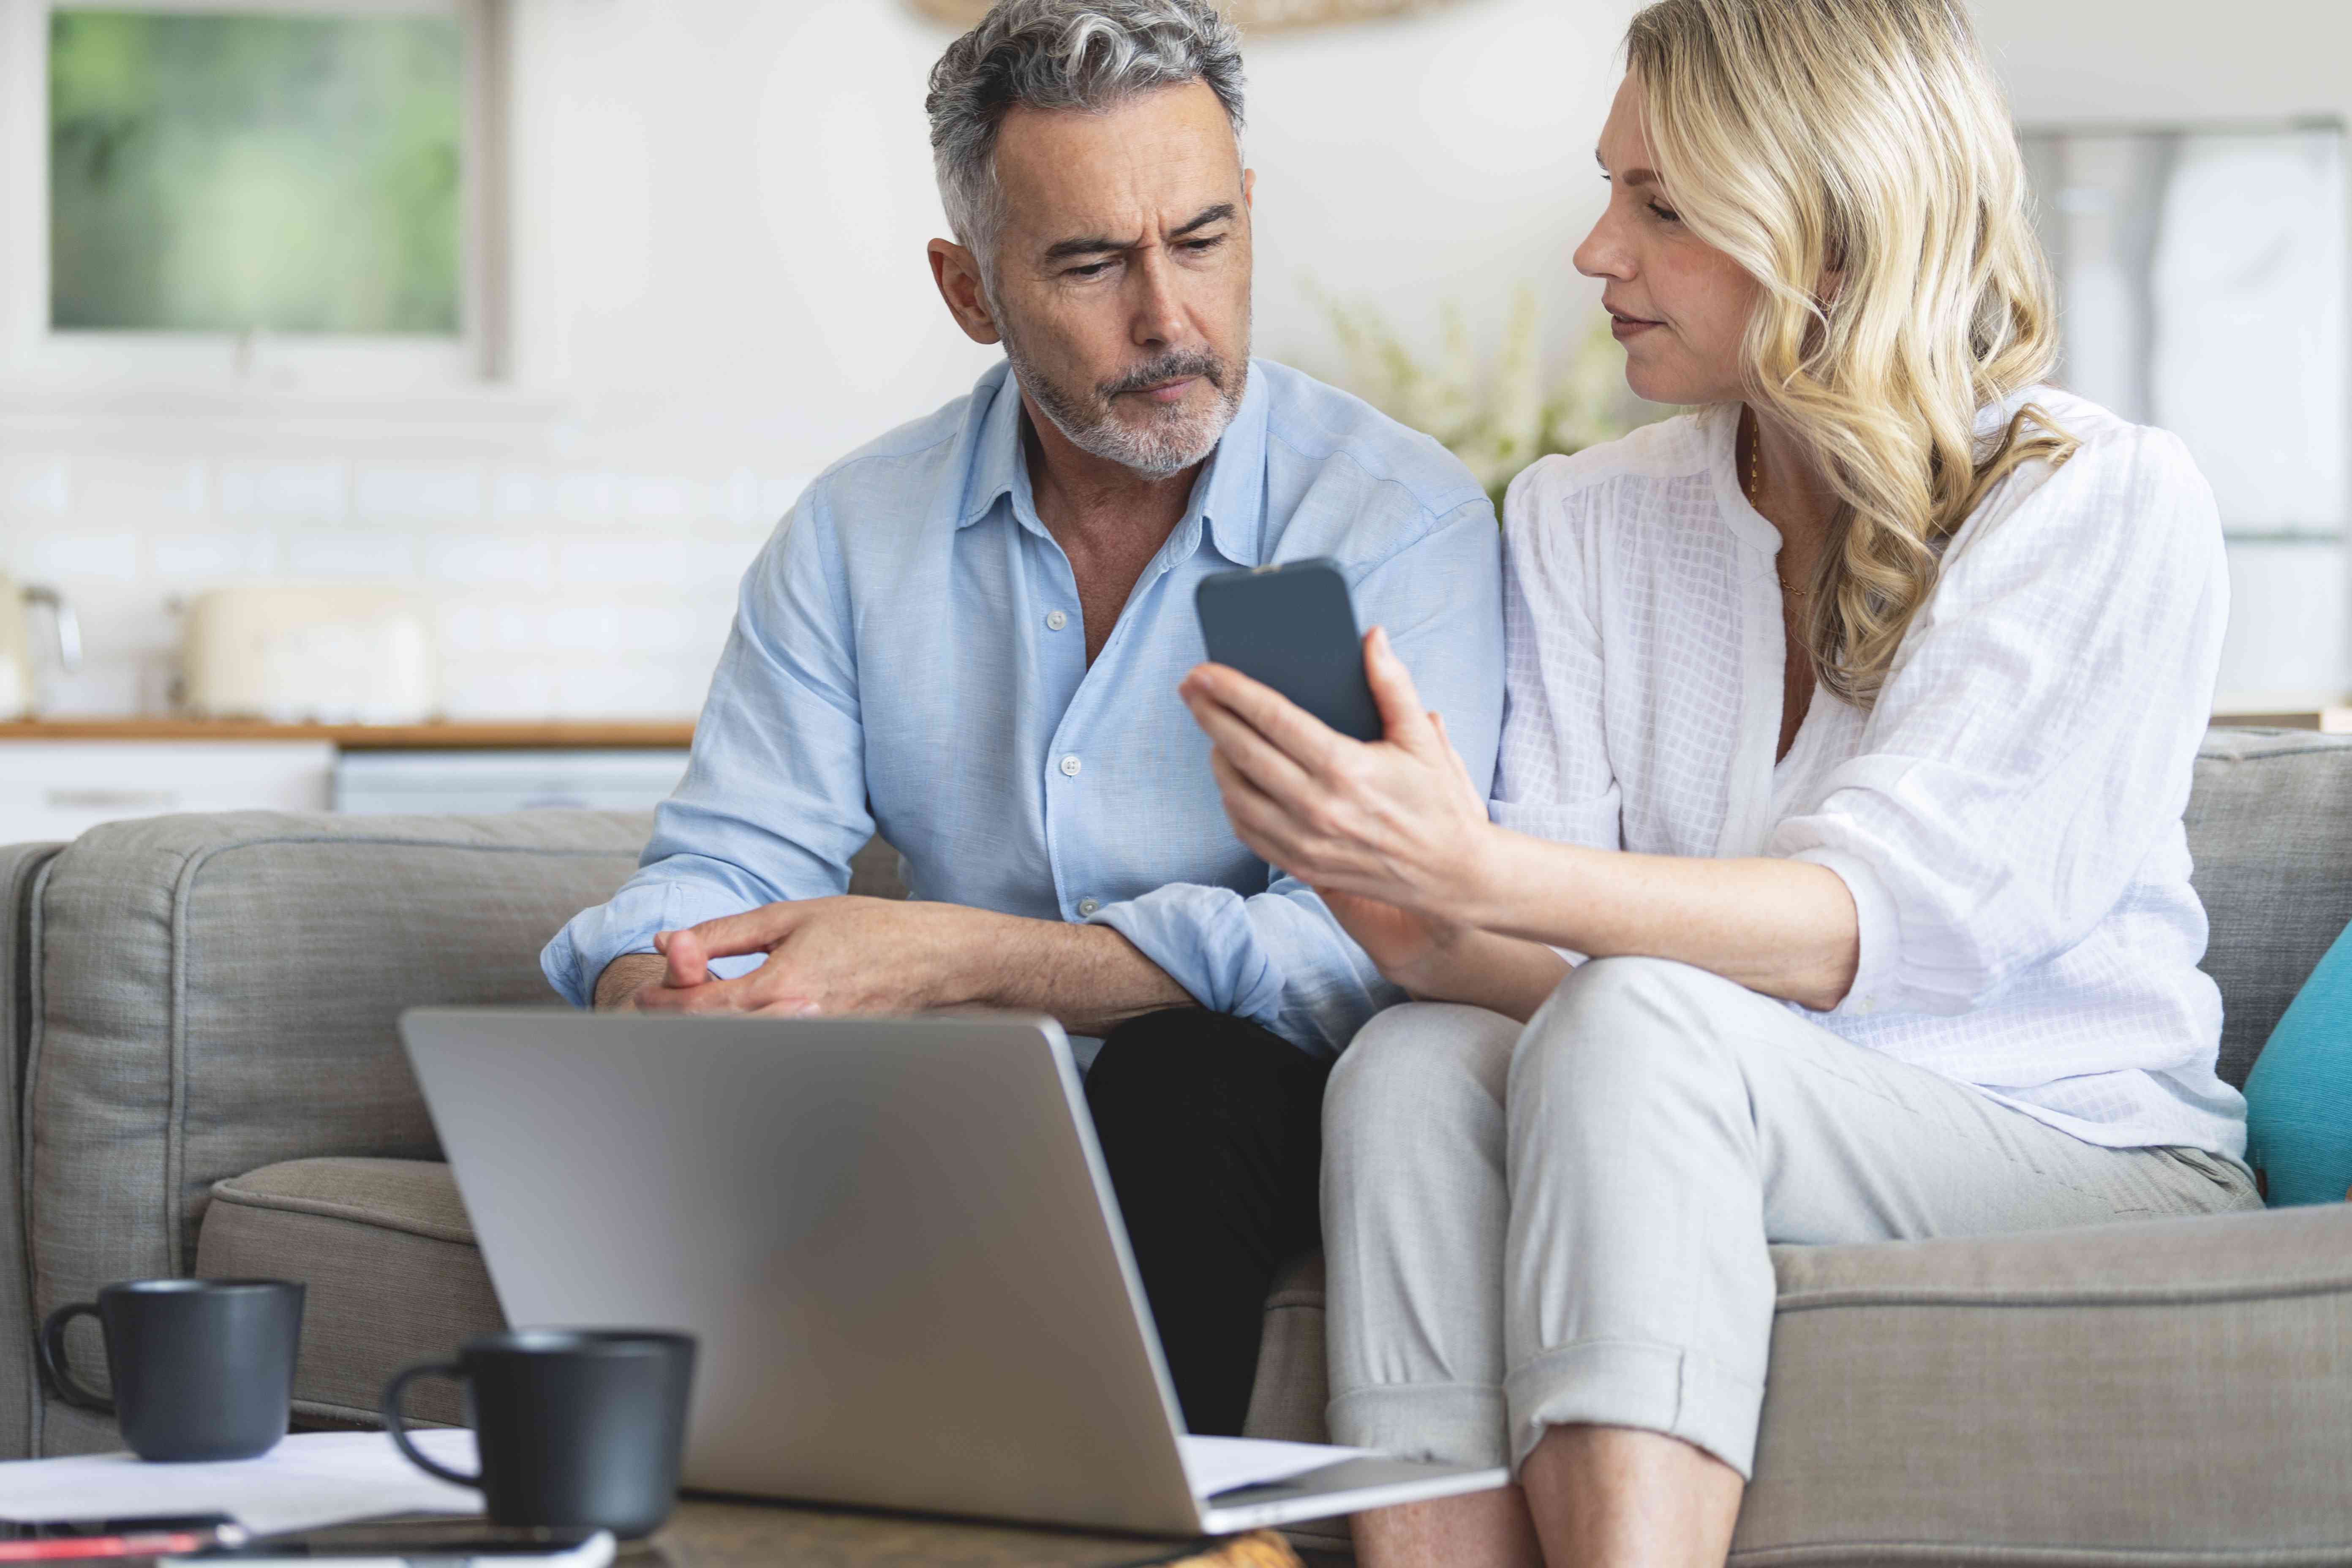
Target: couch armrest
{"x": 220, "y": 992}
{"x": 20, "y": 872}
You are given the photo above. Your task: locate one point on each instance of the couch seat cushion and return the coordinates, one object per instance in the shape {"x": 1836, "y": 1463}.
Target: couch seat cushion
{"x": 389, "y": 1256}
{"x": 2160, "y": 1391}
{"x": 2164, "y": 1392}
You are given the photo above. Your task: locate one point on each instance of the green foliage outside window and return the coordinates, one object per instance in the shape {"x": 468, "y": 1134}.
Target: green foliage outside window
{"x": 286, "y": 174}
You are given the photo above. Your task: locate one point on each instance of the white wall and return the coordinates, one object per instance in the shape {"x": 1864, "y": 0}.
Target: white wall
{"x": 2070, "y": 61}
{"x": 720, "y": 213}
{"x": 721, "y": 208}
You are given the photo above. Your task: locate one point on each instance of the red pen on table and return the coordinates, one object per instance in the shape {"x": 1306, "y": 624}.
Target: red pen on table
{"x": 131, "y": 1542}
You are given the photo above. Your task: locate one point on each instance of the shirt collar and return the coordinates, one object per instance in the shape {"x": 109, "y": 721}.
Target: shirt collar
{"x": 1228, "y": 498}
{"x": 1230, "y": 494}
{"x": 997, "y": 467}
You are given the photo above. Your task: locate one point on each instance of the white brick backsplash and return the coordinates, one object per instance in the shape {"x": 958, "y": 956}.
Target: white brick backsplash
{"x": 252, "y": 554}
{"x": 581, "y": 629}
{"x": 573, "y": 590}
{"x": 517, "y": 493}
{"x": 658, "y": 501}
{"x": 737, "y": 498}
{"x": 588, "y": 497}
{"x": 480, "y": 688}
{"x": 101, "y": 686}
{"x": 140, "y": 492}
{"x": 629, "y": 688}
{"x": 639, "y": 558}
{"x": 657, "y": 628}
{"x": 355, "y": 552}
{"x": 59, "y": 558}
{"x": 517, "y": 626}
{"x": 314, "y": 492}
{"x": 33, "y": 484}
{"x": 464, "y": 630}
{"x": 421, "y": 495}
{"x": 488, "y": 558}
{"x": 777, "y": 496}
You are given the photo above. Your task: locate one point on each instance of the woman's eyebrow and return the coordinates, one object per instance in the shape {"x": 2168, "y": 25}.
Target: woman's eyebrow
{"x": 1631, "y": 176}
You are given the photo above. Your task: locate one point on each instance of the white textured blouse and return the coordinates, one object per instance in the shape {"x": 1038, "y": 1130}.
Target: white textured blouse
{"x": 2007, "y": 817}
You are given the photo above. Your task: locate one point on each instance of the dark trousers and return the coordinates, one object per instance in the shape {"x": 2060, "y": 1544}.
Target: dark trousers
{"x": 1212, "y": 1130}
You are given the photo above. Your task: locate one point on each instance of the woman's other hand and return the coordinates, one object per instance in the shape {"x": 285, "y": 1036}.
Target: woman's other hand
{"x": 1397, "y": 821}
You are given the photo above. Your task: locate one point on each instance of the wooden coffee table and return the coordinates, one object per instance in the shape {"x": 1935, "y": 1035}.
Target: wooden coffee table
{"x": 710, "y": 1534}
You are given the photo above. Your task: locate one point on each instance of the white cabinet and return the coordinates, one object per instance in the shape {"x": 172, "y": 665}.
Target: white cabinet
{"x": 56, "y": 789}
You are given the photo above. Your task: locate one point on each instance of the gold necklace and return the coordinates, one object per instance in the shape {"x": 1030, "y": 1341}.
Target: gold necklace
{"x": 1754, "y": 487}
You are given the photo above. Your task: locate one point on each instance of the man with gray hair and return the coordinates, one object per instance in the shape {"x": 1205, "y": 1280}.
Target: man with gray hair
{"x": 968, "y": 637}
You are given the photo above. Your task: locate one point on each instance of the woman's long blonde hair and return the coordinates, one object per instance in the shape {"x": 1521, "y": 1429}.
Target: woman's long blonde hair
{"x": 1857, "y": 158}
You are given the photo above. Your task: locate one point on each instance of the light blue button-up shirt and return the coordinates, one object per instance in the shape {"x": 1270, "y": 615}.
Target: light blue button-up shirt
{"x": 908, "y": 657}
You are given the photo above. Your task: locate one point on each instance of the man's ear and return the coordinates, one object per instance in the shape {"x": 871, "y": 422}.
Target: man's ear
{"x": 1249, "y": 187}
{"x": 957, "y": 272}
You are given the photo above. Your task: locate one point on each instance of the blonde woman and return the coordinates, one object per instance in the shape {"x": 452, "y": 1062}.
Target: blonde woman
{"x": 1849, "y": 726}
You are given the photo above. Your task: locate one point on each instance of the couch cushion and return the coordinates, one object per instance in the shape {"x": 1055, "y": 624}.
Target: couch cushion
{"x": 219, "y": 993}
{"x": 2171, "y": 1390}
{"x": 2267, "y": 834}
{"x": 2180, "y": 1385}
{"x": 389, "y": 1256}
{"x": 21, "y": 866}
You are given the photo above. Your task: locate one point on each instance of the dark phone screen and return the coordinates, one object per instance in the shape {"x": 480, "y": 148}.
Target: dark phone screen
{"x": 1293, "y": 627}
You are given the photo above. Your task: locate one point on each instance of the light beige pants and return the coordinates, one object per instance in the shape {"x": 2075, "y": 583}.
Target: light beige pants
{"x": 1567, "y": 1223}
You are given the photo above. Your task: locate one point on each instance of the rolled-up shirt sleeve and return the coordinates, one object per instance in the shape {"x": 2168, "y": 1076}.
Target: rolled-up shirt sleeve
{"x": 1278, "y": 957}
{"x": 2033, "y": 745}
{"x": 781, "y": 733}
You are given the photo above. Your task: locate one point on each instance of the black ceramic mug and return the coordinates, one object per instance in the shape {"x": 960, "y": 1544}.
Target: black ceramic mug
{"x": 582, "y": 1428}
{"x": 202, "y": 1369}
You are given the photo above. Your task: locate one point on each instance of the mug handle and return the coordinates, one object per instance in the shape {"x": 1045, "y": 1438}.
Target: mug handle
{"x": 52, "y": 1346}
{"x": 395, "y": 1424}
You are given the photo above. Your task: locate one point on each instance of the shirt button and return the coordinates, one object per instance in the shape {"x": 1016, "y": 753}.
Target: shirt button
{"x": 1070, "y": 766}
{"x": 1088, "y": 906}
{"x": 1056, "y": 620}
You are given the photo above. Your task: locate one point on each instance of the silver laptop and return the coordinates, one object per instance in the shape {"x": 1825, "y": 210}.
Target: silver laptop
{"x": 896, "y": 1242}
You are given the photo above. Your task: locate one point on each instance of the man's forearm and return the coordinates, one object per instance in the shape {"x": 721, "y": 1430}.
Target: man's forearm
{"x": 624, "y": 976}
{"x": 1089, "y": 977}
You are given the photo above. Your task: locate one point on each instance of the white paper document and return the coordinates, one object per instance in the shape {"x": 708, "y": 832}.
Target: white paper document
{"x": 308, "y": 1480}
{"x": 1220, "y": 1464}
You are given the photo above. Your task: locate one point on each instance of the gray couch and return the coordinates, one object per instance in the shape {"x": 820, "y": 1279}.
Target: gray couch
{"x": 205, "y": 1080}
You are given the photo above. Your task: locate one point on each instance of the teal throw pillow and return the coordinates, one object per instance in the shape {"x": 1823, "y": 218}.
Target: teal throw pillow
{"x": 2299, "y": 1096}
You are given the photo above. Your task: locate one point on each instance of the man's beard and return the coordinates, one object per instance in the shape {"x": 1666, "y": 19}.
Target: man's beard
{"x": 1168, "y": 440}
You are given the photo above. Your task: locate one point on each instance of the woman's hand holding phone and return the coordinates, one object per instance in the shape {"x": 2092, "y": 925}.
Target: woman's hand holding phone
{"x": 1390, "y": 831}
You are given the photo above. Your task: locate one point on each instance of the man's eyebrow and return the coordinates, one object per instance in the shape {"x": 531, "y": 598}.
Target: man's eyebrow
{"x": 1089, "y": 246}
{"x": 1217, "y": 213}
{"x": 1096, "y": 244}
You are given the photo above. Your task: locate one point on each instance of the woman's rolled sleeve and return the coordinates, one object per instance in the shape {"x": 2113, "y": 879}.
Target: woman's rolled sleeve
{"x": 2034, "y": 744}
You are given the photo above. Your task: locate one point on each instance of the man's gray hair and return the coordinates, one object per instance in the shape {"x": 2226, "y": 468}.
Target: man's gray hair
{"x": 1062, "y": 54}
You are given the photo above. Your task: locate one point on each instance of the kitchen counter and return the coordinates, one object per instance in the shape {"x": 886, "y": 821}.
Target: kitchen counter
{"x": 59, "y": 777}
{"x": 454, "y": 736}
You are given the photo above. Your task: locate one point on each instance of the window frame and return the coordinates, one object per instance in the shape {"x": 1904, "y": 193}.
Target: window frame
{"x": 73, "y": 367}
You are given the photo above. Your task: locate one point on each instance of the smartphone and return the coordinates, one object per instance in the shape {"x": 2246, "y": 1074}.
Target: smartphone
{"x": 1293, "y": 627}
